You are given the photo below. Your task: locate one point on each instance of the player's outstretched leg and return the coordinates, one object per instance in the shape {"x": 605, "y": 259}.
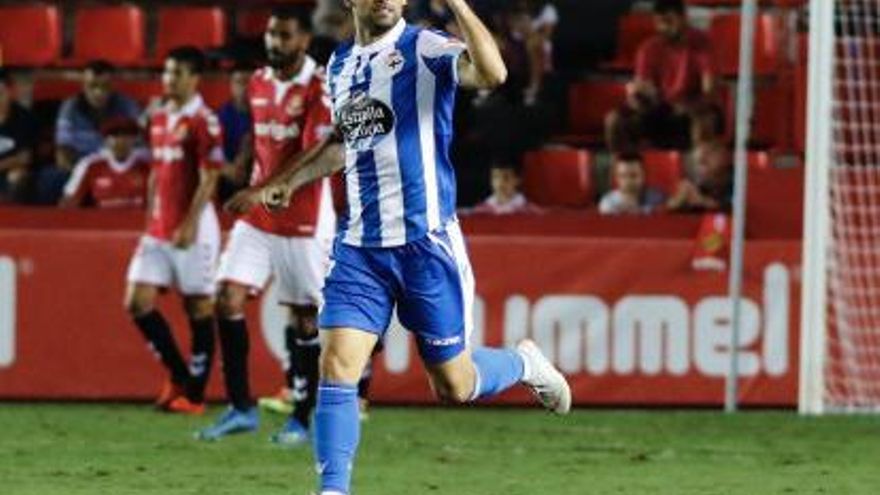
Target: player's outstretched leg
{"x": 337, "y": 426}
{"x": 140, "y": 303}
{"x": 486, "y": 372}
{"x": 304, "y": 350}
{"x": 241, "y": 416}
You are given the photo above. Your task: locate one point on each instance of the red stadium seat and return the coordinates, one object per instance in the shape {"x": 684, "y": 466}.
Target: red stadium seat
{"x": 775, "y": 199}
{"x": 30, "y": 35}
{"x": 663, "y": 169}
{"x": 215, "y": 91}
{"x": 632, "y": 30}
{"x": 115, "y": 34}
{"x": 202, "y": 27}
{"x": 588, "y": 105}
{"x": 560, "y": 177}
{"x": 771, "y": 115}
{"x": 251, "y": 23}
{"x": 724, "y": 32}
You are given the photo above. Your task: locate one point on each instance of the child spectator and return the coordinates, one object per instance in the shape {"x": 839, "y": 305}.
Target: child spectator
{"x": 630, "y": 195}
{"x": 114, "y": 177}
{"x": 670, "y": 101}
{"x": 711, "y": 189}
{"x": 506, "y": 197}
{"x": 18, "y": 132}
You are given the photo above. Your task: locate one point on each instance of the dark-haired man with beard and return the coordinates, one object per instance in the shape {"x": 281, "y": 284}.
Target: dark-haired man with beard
{"x": 290, "y": 114}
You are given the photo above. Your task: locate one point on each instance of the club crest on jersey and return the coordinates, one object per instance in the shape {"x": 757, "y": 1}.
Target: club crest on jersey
{"x": 395, "y": 61}
{"x": 296, "y": 106}
{"x": 364, "y": 121}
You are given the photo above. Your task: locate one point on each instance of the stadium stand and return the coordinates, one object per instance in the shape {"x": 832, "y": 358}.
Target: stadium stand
{"x": 559, "y": 177}
{"x": 202, "y": 27}
{"x": 632, "y": 30}
{"x": 30, "y": 35}
{"x": 725, "y": 30}
{"x": 112, "y": 33}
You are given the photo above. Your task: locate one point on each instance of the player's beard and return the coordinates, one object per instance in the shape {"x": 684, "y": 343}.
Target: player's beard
{"x": 281, "y": 62}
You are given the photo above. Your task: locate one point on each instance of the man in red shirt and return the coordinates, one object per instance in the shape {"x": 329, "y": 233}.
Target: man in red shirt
{"x": 116, "y": 176}
{"x": 669, "y": 103}
{"x": 182, "y": 240}
{"x": 290, "y": 114}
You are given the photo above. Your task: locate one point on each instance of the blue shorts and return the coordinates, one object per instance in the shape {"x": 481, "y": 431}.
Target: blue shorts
{"x": 428, "y": 280}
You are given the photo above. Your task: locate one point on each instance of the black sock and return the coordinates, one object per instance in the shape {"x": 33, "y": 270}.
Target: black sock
{"x": 157, "y": 332}
{"x": 304, "y": 356}
{"x": 290, "y": 347}
{"x": 234, "y": 345}
{"x": 201, "y": 357}
{"x": 364, "y": 383}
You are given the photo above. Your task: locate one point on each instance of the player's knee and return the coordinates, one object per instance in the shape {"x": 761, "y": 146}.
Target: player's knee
{"x": 337, "y": 367}
{"x": 230, "y": 301}
{"x": 453, "y": 390}
{"x": 138, "y": 304}
{"x": 200, "y": 308}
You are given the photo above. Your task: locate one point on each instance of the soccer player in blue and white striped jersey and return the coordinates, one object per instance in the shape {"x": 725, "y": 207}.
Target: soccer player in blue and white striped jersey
{"x": 392, "y": 91}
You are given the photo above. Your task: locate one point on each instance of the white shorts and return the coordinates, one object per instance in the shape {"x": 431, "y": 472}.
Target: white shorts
{"x": 299, "y": 264}
{"x": 157, "y": 262}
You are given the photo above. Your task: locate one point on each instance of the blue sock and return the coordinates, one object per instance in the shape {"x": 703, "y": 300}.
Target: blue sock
{"x": 337, "y": 431}
{"x": 497, "y": 370}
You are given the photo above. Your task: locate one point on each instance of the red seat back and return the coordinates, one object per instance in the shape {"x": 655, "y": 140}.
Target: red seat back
{"x": 115, "y": 34}
{"x": 202, "y": 27}
{"x": 632, "y": 30}
{"x": 590, "y": 103}
{"x": 775, "y": 200}
{"x": 558, "y": 177}
{"x": 30, "y": 35}
{"x": 724, "y": 32}
{"x": 215, "y": 91}
{"x": 251, "y": 23}
{"x": 663, "y": 170}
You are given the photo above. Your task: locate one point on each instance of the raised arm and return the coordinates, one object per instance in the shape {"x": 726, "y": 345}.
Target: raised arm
{"x": 482, "y": 66}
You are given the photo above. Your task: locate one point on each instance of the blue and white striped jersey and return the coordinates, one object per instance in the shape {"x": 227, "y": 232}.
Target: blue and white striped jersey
{"x": 393, "y": 102}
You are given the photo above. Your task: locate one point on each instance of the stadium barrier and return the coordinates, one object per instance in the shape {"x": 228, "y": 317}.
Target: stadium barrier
{"x": 630, "y": 322}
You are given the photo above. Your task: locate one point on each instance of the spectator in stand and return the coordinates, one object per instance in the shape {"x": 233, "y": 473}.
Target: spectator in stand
{"x": 235, "y": 120}
{"x": 114, "y": 177}
{"x": 506, "y": 197}
{"x": 669, "y": 103}
{"x": 545, "y": 18}
{"x": 78, "y": 129}
{"x": 18, "y": 132}
{"x": 711, "y": 189}
{"x": 630, "y": 195}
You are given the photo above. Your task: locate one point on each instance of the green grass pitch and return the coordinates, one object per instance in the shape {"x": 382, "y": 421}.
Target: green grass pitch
{"x": 128, "y": 449}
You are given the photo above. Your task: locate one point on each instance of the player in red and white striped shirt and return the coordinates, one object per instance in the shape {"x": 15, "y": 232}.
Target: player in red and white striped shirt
{"x": 182, "y": 241}
{"x": 290, "y": 114}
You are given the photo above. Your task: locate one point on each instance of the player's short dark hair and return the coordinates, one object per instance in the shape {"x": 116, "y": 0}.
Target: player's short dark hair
{"x": 190, "y": 56}
{"x": 669, "y": 7}
{"x": 630, "y": 157}
{"x": 302, "y": 16}
{"x": 100, "y": 67}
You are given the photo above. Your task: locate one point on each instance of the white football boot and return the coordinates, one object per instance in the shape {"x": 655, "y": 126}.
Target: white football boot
{"x": 545, "y": 381}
